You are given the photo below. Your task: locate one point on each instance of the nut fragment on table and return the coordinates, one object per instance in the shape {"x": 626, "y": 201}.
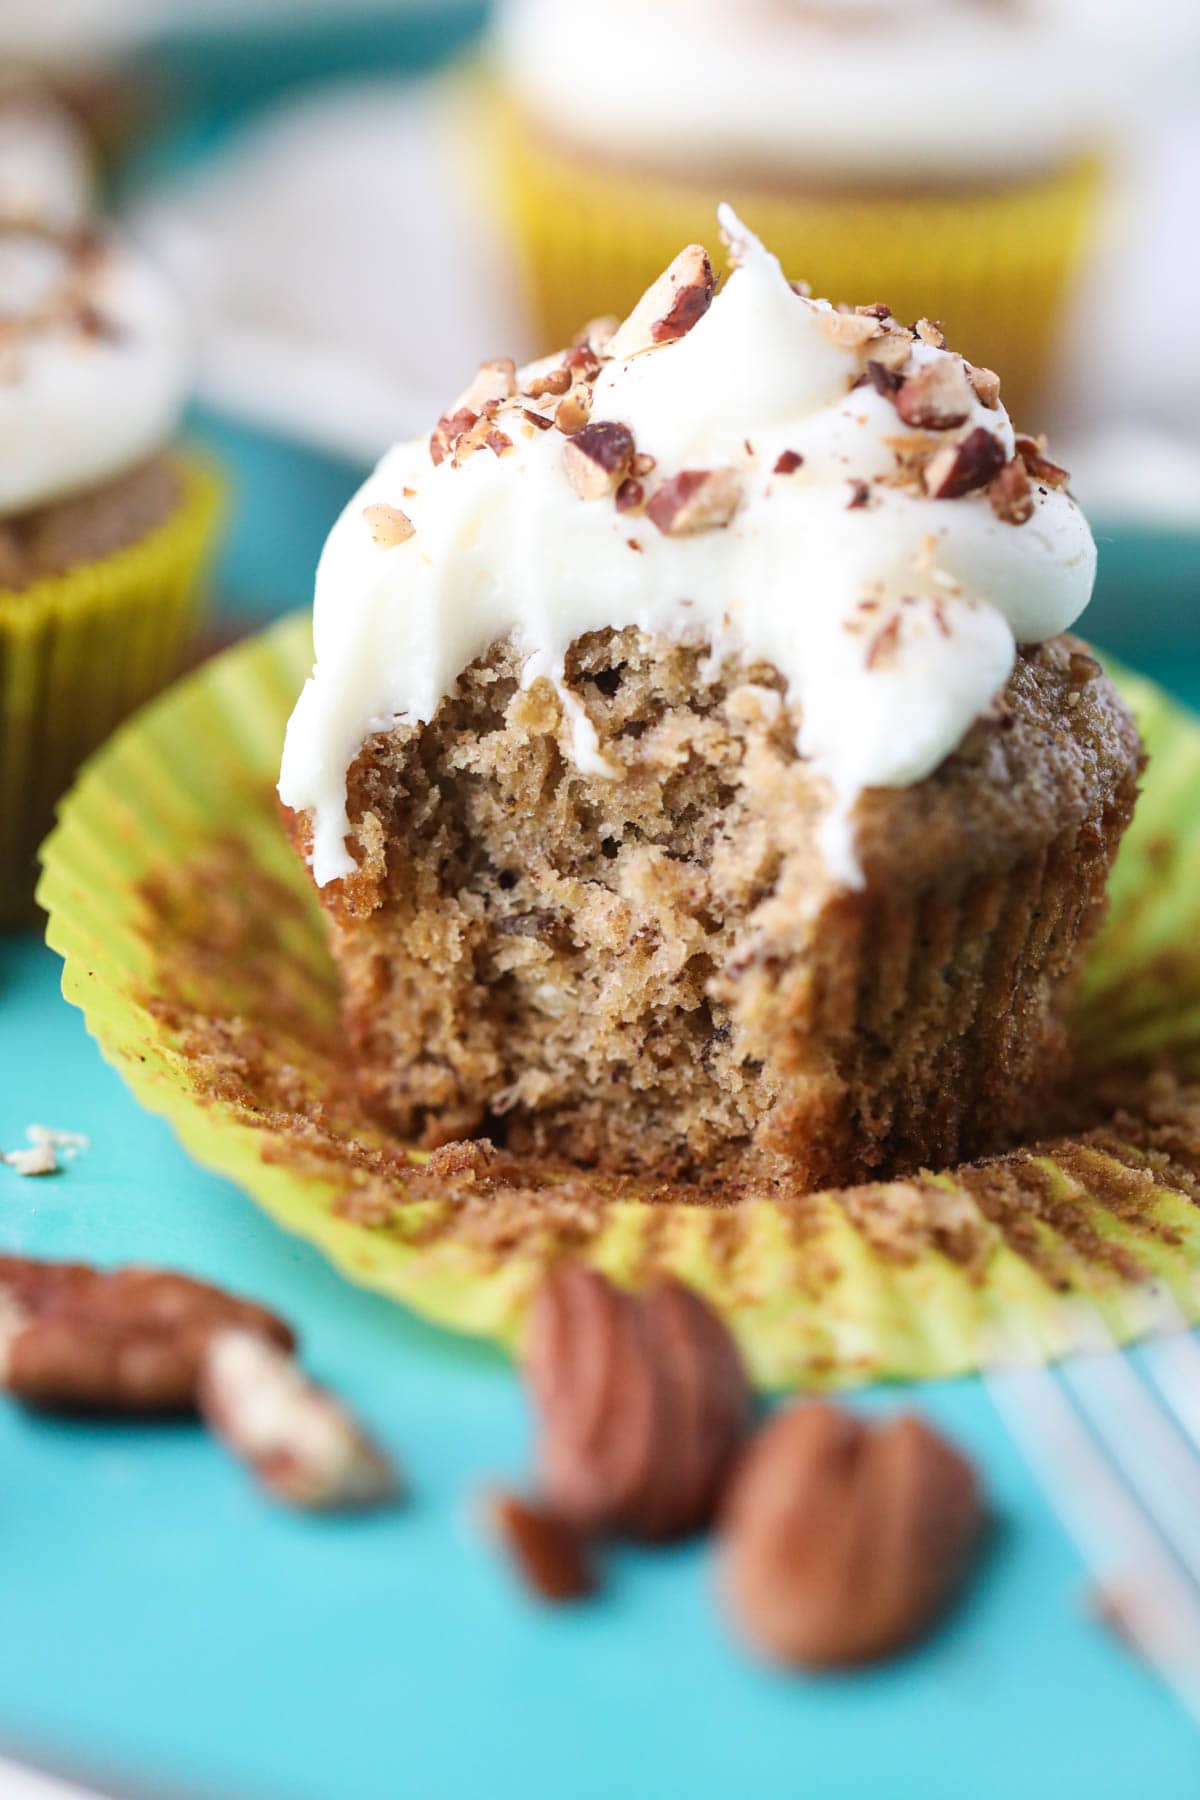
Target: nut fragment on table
{"x": 642, "y": 1401}
{"x": 304, "y": 1446}
{"x": 843, "y": 1540}
{"x": 550, "y": 1555}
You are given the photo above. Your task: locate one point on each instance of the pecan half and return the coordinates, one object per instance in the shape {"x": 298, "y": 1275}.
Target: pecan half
{"x": 695, "y": 500}
{"x": 549, "y": 1554}
{"x": 598, "y": 458}
{"x": 937, "y": 398}
{"x": 1011, "y": 493}
{"x": 670, "y": 306}
{"x": 1032, "y": 451}
{"x": 843, "y": 1540}
{"x": 960, "y": 468}
{"x": 78, "y": 1339}
{"x": 642, "y": 1400}
{"x": 302, "y": 1444}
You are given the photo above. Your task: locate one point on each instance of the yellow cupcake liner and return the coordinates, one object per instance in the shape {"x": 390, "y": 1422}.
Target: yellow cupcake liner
{"x": 192, "y": 941}
{"x": 994, "y": 265}
{"x": 78, "y": 653}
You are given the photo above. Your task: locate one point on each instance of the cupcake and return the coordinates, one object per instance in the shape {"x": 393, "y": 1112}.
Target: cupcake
{"x": 104, "y": 526}
{"x": 940, "y": 154}
{"x": 694, "y": 773}
{"x": 46, "y": 174}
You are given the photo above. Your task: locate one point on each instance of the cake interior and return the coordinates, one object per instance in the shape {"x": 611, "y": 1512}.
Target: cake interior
{"x": 654, "y": 971}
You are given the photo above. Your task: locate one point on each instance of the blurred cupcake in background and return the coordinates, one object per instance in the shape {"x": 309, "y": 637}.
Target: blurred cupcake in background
{"x": 104, "y": 525}
{"x": 47, "y": 175}
{"x": 944, "y": 154}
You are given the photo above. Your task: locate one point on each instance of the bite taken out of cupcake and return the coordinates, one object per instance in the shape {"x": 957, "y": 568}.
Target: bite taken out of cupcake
{"x": 104, "y": 525}
{"x": 694, "y": 771}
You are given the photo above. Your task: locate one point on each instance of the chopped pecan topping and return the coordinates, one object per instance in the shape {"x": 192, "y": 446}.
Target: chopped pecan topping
{"x": 598, "y": 458}
{"x": 695, "y": 500}
{"x": 884, "y": 380}
{"x": 881, "y": 651}
{"x": 597, "y": 333}
{"x": 448, "y": 430}
{"x": 959, "y": 469}
{"x": 574, "y": 410}
{"x": 643, "y": 464}
{"x": 669, "y": 307}
{"x": 388, "y": 525}
{"x": 537, "y": 419}
{"x": 302, "y": 1444}
{"x": 582, "y": 363}
{"x": 860, "y": 495}
{"x": 642, "y": 1401}
{"x": 77, "y": 1339}
{"x": 498, "y": 441}
{"x": 937, "y": 398}
{"x": 549, "y": 1553}
{"x": 495, "y": 380}
{"x": 849, "y": 330}
{"x": 930, "y": 332}
{"x": 986, "y": 384}
{"x": 1032, "y": 451}
{"x": 1011, "y": 494}
{"x": 843, "y": 1539}
{"x": 630, "y": 495}
{"x": 555, "y": 381}
{"x": 787, "y": 462}
{"x": 876, "y": 310}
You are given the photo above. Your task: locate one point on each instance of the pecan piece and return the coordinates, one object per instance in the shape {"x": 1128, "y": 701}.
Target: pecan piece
{"x": 930, "y": 332}
{"x": 850, "y": 330}
{"x": 959, "y": 469}
{"x": 843, "y": 1539}
{"x": 937, "y": 398}
{"x": 642, "y": 1400}
{"x": 79, "y": 1339}
{"x": 1011, "y": 494}
{"x": 787, "y": 462}
{"x": 302, "y": 1444}
{"x": 574, "y": 410}
{"x": 388, "y": 525}
{"x": 494, "y": 381}
{"x": 670, "y": 306}
{"x": 448, "y": 430}
{"x": 598, "y": 458}
{"x": 1032, "y": 451}
{"x": 695, "y": 500}
{"x": 549, "y": 1553}
{"x": 986, "y": 383}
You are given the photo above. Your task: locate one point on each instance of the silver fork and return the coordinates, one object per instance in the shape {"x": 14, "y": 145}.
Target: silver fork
{"x": 1119, "y": 1459}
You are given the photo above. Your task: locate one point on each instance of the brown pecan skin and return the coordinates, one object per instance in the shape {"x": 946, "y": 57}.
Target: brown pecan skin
{"x": 129, "y": 1340}
{"x": 843, "y": 1540}
{"x": 642, "y": 1400}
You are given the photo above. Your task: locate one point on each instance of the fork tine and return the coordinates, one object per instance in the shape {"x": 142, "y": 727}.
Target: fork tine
{"x": 1156, "y": 1460}
{"x": 1160, "y": 1609}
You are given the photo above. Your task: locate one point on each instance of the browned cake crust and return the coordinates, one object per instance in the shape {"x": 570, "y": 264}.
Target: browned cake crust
{"x": 656, "y": 971}
{"x": 84, "y": 527}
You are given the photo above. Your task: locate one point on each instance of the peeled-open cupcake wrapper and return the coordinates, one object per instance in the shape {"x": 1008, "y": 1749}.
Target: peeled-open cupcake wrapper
{"x": 994, "y": 265}
{"x": 192, "y": 942}
{"x": 81, "y": 651}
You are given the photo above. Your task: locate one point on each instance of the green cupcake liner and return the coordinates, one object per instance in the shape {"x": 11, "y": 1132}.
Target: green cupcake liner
{"x": 192, "y": 942}
{"x": 81, "y": 651}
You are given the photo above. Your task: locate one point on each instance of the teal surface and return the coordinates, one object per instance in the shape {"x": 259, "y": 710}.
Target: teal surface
{"x": 168, "y": 1632}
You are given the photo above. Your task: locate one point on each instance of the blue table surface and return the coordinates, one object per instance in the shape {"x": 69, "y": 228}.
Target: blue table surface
{"x": 167, "y": 1631}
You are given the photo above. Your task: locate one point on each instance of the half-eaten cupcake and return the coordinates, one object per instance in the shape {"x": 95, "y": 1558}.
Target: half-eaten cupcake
{"x": 694, "y": 770}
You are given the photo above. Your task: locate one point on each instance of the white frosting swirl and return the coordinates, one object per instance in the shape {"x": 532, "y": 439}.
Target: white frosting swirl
{"x": 94, "y": 364}
{"x": 45, "y": 166}
{"x": 503, "y": 545}
{"x": 883, "y": 89}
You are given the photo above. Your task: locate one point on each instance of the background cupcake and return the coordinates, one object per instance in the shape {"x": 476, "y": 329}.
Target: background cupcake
{"x": 941, "y": 154}
{"x": 103, "y": 528}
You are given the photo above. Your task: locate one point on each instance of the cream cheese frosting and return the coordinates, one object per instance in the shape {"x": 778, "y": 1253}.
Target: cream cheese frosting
{"x": 95, "y": 359}
{"x": 761, "y": 475}
{"x": 885, "y": 89}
